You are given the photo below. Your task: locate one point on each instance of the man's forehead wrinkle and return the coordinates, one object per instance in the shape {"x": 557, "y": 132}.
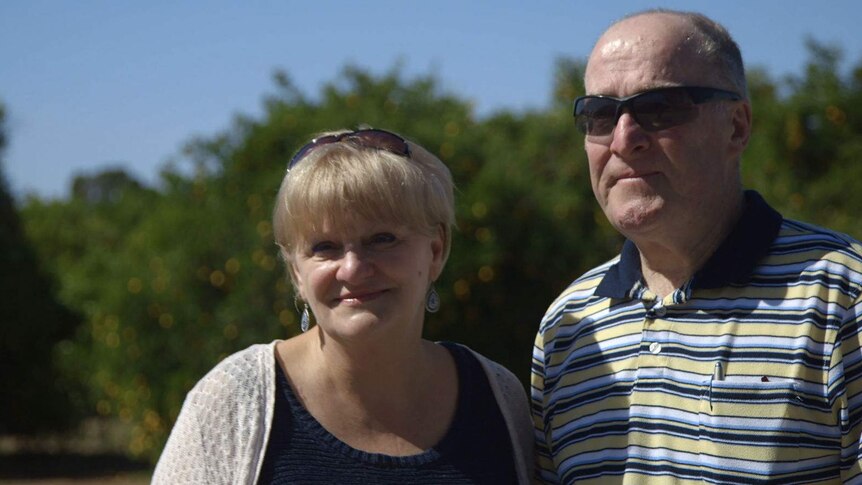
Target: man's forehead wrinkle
{"x": 621, "y": 46}
{"x": 622, "y": 63}
{"x": 636, "y": 55}
{"x": 631, "y": 46}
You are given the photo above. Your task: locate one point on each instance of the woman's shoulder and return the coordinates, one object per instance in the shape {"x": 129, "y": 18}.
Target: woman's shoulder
{"x": 242, "y": 372}
{"x": 495, "y": 371}
{"x": 223, "y": 420}
{"x": 512, "y": 400}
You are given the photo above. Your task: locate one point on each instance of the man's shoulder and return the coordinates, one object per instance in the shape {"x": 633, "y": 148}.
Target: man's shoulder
{"x": 804, "y": 237}
{"x": 589, "y": 280}
{"x": 822, "y": 258}
{"x": 582, "y": 288}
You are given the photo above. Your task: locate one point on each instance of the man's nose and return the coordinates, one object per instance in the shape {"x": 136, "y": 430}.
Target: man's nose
{"x": 628, "y": 136}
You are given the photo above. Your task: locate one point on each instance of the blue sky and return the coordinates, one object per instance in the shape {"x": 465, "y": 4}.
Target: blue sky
{"x": 97, "y": 83}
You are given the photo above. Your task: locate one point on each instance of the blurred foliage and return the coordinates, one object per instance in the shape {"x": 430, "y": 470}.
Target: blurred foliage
{"x": 171, "y": 279}
{"x": 806, "y": 146}
{"x": 36, "y": 396}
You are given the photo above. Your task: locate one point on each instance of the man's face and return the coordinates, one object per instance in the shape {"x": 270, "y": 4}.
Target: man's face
{"x": 655, "y": 184}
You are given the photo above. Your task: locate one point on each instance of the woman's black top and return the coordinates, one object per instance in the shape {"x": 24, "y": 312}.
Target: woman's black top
{"x": 475, "y": 449}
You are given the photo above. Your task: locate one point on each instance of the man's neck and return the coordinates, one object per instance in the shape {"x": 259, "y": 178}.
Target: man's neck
{"x": 667, "y": 263}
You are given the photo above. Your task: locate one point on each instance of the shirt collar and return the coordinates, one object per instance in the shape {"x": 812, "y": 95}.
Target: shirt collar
{"x": 732, "y": 262}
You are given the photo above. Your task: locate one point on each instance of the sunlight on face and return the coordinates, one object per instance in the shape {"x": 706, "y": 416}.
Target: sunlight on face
{"x": 369, "y": 278}
{"x": 665, "y": 181}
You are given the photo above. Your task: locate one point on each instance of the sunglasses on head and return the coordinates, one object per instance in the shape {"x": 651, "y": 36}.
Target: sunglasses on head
{"x": 653, "y": 110}
{"x": 368, "y": 138}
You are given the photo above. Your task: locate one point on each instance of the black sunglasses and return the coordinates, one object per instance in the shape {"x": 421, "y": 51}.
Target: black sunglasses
{"x": 369, "y": 138}
{"x": 653, "y": 110}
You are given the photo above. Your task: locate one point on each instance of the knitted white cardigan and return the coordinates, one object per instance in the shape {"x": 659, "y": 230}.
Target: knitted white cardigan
{"x": 221, "y": 433}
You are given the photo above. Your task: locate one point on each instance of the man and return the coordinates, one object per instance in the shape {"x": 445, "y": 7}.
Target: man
{"x": 723, "y": 344}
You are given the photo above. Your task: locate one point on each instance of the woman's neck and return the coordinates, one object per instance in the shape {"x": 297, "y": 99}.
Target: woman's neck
{"x": 393, "y": 399}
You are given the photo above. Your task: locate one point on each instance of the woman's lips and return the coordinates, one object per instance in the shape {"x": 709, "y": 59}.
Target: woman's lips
{"x": 357, "y": 298}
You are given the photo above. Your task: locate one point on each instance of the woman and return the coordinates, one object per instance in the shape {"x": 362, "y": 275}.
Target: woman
{"x": 363, "y": 220}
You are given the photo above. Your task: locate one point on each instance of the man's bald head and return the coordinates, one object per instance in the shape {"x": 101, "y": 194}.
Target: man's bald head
{"x": 700, "y": 40}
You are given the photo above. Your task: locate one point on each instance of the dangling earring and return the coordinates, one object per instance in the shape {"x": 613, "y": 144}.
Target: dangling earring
{"x": 432, "y": 300}
{"x": 304, "y": 322}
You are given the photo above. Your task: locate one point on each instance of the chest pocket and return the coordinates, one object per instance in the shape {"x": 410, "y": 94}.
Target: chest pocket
{"x": 761, "y": 418}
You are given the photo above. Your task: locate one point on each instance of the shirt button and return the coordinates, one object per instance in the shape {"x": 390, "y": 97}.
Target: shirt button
{"x": 655, "y": 347}
{"x": 661, "y": 311}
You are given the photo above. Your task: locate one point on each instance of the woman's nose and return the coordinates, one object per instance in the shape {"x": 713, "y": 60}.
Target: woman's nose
{"x": 355, "y": 265}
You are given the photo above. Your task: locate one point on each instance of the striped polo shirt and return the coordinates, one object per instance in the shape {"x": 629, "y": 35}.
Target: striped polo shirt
{"x": 749, "y": 373}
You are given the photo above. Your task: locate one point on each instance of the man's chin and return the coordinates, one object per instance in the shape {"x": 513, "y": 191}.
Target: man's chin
{"x": 633, "y": 221}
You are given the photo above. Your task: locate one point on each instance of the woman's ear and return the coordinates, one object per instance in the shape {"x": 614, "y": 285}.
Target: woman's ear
{"x": 438, "y": 251}
{"x": 294, "y": 275}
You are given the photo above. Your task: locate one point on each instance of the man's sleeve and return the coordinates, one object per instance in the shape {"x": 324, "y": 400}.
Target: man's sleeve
{"x": 545, "y": 470}
{"x": 846, "y": 368}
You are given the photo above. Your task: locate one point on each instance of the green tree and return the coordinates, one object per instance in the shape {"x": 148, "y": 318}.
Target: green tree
{"x": 807, "y": 145}
{"x": 171, "y": 279}
{"x": 32, "y": 323}
{"x": 86, "y": 240}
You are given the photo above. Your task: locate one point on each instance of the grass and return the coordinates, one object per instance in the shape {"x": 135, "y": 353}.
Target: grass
{"x": 93, "y": 453}
{"x": 57, "y": 468}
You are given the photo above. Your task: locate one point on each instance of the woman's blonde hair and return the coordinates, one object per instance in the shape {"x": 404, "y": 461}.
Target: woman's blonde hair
{"x": 344, "y": 183}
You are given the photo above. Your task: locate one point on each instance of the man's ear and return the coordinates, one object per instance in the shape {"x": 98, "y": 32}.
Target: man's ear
{"x": 741, "y": 123}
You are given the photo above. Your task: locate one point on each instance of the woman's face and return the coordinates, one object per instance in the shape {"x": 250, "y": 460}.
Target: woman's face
{"x": 367, "y": 281}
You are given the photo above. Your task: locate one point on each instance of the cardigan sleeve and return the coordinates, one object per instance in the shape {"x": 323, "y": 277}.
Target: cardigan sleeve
{"x": 184, "y": 459}
{"x": 512, "y": 399}
{"x": 221, "y": 432}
